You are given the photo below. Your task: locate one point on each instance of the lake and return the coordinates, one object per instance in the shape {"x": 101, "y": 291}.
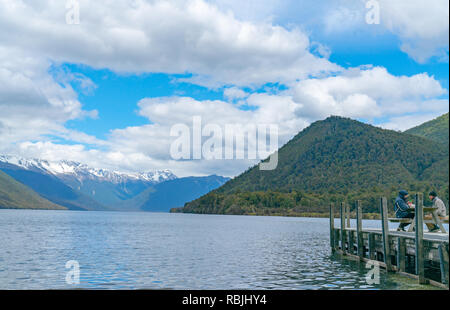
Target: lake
{"x": 172, "y": 251}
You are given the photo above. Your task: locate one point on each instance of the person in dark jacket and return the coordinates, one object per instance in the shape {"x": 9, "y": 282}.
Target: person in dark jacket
{"x": 402, "y": 209}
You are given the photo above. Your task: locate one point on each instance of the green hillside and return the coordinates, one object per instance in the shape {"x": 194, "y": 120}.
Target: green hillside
{"x": 15, "y": 195}
{"x": 333, "y": 160}
{"x": 436, "y": 130}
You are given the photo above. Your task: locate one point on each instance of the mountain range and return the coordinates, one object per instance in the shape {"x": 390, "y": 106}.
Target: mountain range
{"x": 163, "y": 196}
{"x": 77, "y": 186}
{"x": 333, "y": 160}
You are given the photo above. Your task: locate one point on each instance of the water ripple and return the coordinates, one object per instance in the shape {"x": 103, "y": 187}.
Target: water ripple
{"x": 171, "y": 251}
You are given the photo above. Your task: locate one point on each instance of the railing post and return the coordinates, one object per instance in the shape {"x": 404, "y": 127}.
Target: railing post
{"x": 343, "y": 228}
{"x": 443, "y": 259}
{"x": 359, "y": 229}
{"x": 401, "y": 254}
{"x": 332, "y": 243}
{"x": 372, "y": 255}
{"x": 347, "y": 208}
{"x": 385, "y": 228}
{"x": 351, "y": 241}
{"x": 420, "y": 268}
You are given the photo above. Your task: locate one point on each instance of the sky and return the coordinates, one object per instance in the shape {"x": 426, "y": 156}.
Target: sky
{"x": 105, "y": 82}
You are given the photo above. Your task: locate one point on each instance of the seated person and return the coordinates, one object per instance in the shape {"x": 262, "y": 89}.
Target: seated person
{"x": 441, "y": 211}
{"x": 402, "y": 209}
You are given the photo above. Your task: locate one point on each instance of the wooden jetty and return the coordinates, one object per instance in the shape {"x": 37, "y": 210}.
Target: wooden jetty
{"x": 407, "y": 253}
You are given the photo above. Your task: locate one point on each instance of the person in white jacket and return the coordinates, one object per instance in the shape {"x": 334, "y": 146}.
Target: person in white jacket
{"x": 441, "y": 211}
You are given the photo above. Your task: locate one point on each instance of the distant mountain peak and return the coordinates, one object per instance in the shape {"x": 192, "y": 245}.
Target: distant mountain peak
{"x": 82, "y": 171}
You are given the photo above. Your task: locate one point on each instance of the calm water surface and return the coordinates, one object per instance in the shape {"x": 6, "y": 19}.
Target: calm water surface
{"x": 172, "y": 251}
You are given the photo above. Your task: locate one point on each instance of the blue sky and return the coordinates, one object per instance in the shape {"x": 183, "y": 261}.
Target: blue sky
{"x": 108, "y": 90}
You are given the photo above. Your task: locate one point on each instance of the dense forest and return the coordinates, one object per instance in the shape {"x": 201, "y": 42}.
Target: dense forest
{"x": 334, "y": 160}
{"x": 436, "y": 130}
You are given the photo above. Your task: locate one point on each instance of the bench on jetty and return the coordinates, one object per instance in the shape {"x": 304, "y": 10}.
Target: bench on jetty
{"x": 411, "y": 221}
{"x": 396, "y": 251}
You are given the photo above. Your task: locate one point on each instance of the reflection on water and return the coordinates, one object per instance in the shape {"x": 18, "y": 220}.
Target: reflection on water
{"x": 172, "y": 251}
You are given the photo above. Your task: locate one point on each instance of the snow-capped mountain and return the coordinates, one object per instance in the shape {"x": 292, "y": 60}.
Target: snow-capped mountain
{"x": 82, "y": 172}
{"x": 77, "y": 186}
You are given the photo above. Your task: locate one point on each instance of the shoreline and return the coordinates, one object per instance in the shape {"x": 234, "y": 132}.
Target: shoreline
{"x": 367, "y": 216}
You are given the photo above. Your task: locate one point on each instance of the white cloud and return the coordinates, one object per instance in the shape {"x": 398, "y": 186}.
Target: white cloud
{"x": 423, "y": 26}
{"x": 367, "y": 93}
{"x": 32, "y": 103}
{"x": 233, "y": 93}
{"x": 163, "y": 36}
{"x": 250, "y": 10}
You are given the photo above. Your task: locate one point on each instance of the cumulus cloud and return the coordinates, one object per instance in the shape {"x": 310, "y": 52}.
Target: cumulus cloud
{"x": 422, "y": 26}
{"x": 367, "y": 93}
{"x": 137, "y": 36}
{"x": 32, "y": 102}
{"x": 233, "y": 93}
{"x": 251, "y": 10}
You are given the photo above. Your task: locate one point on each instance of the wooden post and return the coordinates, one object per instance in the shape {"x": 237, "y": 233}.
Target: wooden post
{"x": 420, "y": 268}
{"x": 371, "y": 246}
{"x": 332, "y": 243}
{"x": 347, "y": 208}
{"x": 385, "y": 228}
{"x": 343, "y": 228}
{"x": 351, "y": 242}
{"x": 359, "y": 236}
{"x": 443, "y": 259}
{"x": 337, "y": 237}
{"x": 401, "y": 254}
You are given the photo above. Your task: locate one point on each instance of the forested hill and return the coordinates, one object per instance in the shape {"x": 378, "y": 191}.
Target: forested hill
{"x": 15, "y": 195}
{"x": 436, "y": 130}
{"x": 337, "y": 158}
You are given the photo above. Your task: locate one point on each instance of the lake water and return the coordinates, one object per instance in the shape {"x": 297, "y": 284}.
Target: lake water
{"x": 172, "y": 251}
